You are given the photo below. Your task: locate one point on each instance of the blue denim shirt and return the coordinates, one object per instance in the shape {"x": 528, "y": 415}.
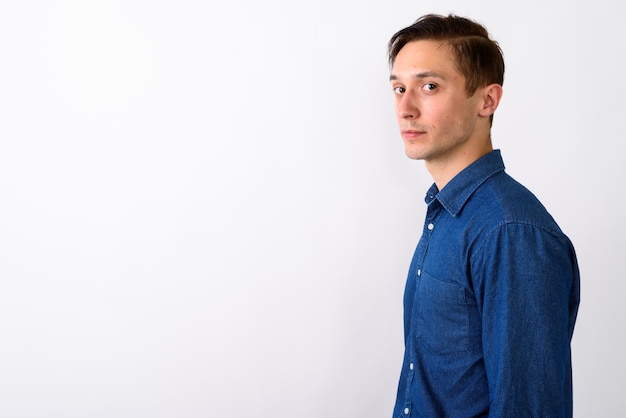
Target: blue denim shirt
{"x": 490, "y": 304}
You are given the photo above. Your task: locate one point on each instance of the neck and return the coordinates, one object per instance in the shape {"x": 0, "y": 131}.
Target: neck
{"x": 442, "y": 171}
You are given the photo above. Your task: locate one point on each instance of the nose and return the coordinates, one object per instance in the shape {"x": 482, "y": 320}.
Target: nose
{"x": 406, "y": 108}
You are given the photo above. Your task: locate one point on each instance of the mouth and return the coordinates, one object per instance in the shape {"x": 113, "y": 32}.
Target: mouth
{"x": 409, "y": 134}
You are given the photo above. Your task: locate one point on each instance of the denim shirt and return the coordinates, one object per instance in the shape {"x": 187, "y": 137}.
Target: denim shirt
{"x": 490, "y": 304}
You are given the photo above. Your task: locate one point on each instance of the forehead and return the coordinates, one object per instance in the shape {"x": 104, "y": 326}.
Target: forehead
{"x": 425, "y": 56}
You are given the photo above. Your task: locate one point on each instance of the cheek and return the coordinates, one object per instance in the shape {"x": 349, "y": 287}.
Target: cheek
{"x": 396, "y": 108}
{"x": 438, "y": 116}
{"x": 456, "y": 118}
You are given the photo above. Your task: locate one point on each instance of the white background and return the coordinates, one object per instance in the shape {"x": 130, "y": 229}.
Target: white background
{"x": 206, "y": 211}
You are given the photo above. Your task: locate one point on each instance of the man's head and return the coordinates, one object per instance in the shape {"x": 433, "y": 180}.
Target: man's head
{"x": 447, "y": 80}
{"x": 478, "y": 57}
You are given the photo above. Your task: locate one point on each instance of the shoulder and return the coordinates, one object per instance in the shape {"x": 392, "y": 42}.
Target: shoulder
{"x": 505, "y": 201}
{"x": 502, "y": 212}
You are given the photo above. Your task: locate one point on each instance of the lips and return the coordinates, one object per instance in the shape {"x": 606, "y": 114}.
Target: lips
{"x": 411, "y": 133}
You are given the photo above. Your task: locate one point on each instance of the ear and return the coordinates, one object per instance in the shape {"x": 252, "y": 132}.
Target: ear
{"x": 491, "y": 99}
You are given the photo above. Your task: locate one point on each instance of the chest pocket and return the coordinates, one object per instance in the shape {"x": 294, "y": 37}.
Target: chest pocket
{"x": 445, "y": 317}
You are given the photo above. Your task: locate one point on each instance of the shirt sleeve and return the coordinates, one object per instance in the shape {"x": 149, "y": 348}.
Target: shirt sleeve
{"x": 526, "y": 284}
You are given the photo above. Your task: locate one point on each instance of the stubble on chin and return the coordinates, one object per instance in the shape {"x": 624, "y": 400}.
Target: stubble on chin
{"x": 413, "y": 154}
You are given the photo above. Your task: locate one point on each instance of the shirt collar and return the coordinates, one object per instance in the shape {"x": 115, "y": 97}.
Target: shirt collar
{"x": 460, "y": 188}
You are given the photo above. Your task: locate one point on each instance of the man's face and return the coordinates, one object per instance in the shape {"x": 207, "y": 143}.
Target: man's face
{"x": 437, "y": 119}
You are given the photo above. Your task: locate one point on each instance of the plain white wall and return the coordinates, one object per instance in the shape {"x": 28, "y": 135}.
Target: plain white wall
{"x": 205, "y": 209}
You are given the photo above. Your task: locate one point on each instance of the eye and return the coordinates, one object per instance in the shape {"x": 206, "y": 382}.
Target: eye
{"x": 399, "y": 90}
{"x": 429, "y": 87}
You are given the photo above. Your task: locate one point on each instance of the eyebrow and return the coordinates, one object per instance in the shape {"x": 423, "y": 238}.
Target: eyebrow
{"x": 425, "y": 74}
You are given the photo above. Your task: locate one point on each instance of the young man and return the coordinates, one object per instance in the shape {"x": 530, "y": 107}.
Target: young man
{"x": 493, "y": 288}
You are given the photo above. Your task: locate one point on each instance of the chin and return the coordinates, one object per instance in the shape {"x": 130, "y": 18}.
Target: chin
{"x": 413, "y": 154}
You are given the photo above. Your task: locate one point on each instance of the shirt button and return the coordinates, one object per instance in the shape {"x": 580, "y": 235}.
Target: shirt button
{"x": 411, "y": 366}
{"x": 419, "y": 272}
{"x": 430, "y": 227}
{"x": 406, "y": 411}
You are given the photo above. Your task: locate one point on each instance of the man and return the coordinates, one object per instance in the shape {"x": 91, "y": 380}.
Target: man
{"x": 493, "y": 288}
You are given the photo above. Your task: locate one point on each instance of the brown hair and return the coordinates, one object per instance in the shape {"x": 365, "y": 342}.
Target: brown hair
{"x": 478, "y": 57}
